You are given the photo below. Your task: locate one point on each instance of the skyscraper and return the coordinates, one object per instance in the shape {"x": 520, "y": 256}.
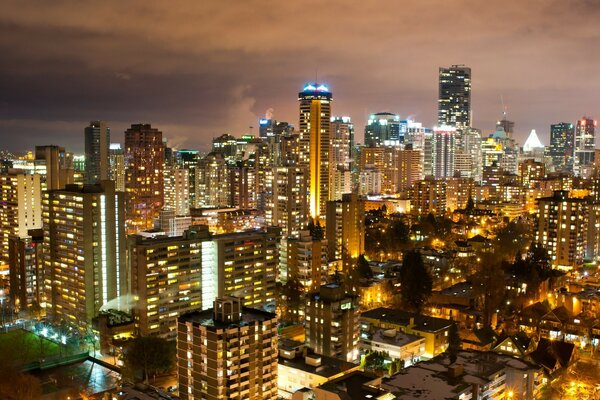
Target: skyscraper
{"x": 227, "y": 352}
{"x": 144, "y": 181}
{"x": 454, "y": 102}
{"x": 585, "y": 144}
{"x": 315, "y": 119}
{"x": 97, "y": 142}
{"x": 561, "y": 149}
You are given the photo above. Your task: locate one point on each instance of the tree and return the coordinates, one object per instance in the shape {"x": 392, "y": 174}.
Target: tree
{"x": 149, "y": 355}
{"x": 454, "y": 343}
{"x": 375, "y": 361}
{"x": 15, "y": 385}
{"x": 470, "y": 205}
{"x": 489, "y": 286}
{"x": 316, "y": 230}
{"x": 415, "y": 281}
{"x": 363, "y": 268}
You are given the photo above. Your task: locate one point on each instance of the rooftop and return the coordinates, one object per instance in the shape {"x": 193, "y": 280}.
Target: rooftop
{"x": 206, "y": 318}
{"x": 329, "y": 366}
{"x": 399, "y": 339}
{"x": 421, "y": 322}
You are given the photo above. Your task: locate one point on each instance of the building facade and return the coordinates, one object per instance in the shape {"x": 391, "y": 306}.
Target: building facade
{"x": 227, "y": 352}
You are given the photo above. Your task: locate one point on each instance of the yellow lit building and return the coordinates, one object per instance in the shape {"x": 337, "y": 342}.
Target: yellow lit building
{"x": 315, "y": 125}
{"x": 84, "y": 251}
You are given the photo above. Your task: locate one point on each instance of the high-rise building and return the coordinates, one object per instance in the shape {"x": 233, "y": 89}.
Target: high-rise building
{"x": 188, "y": 159}
{"x": 454, "y": 101}
{"x": 585, "y": 144}
{"x": 429, "y": 196}
{"x": 213, "y": 182}
{"x": 304, "y": 258}
{"x": 385, "y": 129}
{"x": 117, "y": 166}
{"x": 241, "y": 264}
{"x": 84, "y": 251}
{"x": 443, "y": 152}
{"x": 458, "y": 192}
{"x": 144, "y": 181}
{"x": 20, "y": 207}
{"x": 315, "y": 124}
{"x": 59, "y": 166}
{"x": 288, "y": 201}
{"x": 332, "y": 322}
{"x": 342, "y": 142}
{"x": 562, "y": 229}
{"x": 561, "y": 149}
{"x": 177, "y": 188}
{"x": 26, "y": 269}
{"x": 227, "y": 352}
{"x": 507, "y": 126}
{"x": 345, "y": 232}
{"x": 97, "y": 142}
{"x": 166, "y": 279}
{"x": 410, "y": 168}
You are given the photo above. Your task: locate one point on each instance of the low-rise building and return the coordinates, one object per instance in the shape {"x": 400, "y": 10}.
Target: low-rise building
{"x": 398, "y": 345}
{"x": 433, "y": 330}
{"x": 301, "y": 368}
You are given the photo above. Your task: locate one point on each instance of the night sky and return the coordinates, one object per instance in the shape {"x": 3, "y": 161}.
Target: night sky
{"x": 197, "y": 69}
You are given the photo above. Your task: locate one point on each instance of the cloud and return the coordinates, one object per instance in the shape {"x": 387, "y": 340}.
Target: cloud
{"x": 200, "y": 69}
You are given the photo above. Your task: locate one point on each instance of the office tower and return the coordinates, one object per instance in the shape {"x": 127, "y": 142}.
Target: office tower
{"x": 84, "y": 251}
{"x": 97, "y": 142}
{"x": 585, "y": 144}
{"x": 454, "y": 102}
{"x": 59, "y": 166}
{"x": 561, "y": 149}
{"x": 225, "y": 145}
{"x": 117, "y": 166}
{"x": 443, "y": 147}
{"x": 177, "y": 187}
{"x": 268, "y": 127}
{"x": 342, "y": 142}
{"x": 315, "y": 120}
{"x": 166, "y": 279}
{"x": 26, "y": 269}
{"x": 385, "y": 129}
{"x": 562, "y": 229}
{"x": 227, "y": 352}
{"x": 332, "y": 322}
{"x": 288, "y": 201}
{"x": 304, "y": 258}
{"x": 212, "y": 182}
{"x": 241, "y": 264}
{"x": 20, "y": 207}
{"x": 188, "y": 159}
{"x": 346, "y": 231}
{"x": 144, "y": 181}
{"x": 429, "y": 196}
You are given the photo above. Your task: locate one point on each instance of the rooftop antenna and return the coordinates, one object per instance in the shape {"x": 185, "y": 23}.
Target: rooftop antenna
{"x": 503, "y": 107}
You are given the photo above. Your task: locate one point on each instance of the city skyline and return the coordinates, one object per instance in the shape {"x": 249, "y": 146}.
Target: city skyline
{"x": 61, "y": 71}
